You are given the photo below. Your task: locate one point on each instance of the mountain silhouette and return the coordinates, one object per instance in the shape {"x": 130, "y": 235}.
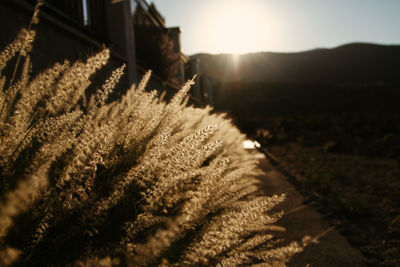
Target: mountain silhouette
{"x": 356, "y": 77}
{"x": 348, "y": 64}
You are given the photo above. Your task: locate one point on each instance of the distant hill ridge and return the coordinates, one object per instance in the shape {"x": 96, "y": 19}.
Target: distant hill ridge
{"x": 350, "y": 64}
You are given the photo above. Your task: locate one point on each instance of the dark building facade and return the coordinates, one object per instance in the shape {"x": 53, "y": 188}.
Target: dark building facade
{"x": 73, "y": 29}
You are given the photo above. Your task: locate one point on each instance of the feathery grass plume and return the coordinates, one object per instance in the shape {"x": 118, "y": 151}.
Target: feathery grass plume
{"x": 22, "y": 44}
{"x": 97, "y": 262}
{"x": 74, "y": 82}
{"x": 8, "y": 256}
{"x": 32, "y": 94}
{"x": 137, "y": 181}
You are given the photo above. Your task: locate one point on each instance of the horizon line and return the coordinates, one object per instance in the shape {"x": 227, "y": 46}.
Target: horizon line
{"x": 295, "y": 51}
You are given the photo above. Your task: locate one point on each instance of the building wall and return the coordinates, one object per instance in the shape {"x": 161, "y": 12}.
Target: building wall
{"x": 57, "y": 40}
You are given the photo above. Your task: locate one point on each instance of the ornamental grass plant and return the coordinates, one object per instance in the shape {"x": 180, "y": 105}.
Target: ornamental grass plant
{"x": 134, "y": 182}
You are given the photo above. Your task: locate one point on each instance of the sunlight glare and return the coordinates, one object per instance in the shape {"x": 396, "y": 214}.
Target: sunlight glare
{"x": 248, "y": 144}
{"x": 237, "y": 27}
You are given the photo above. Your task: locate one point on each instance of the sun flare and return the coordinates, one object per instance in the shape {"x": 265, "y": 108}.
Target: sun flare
{"x": 237, "y": 27}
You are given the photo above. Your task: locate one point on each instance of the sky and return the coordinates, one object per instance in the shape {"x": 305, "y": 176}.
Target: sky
{"x": 233, "y": 26}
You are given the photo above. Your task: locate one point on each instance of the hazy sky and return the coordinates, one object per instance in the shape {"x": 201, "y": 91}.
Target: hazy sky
{"x": 233, "y": 26}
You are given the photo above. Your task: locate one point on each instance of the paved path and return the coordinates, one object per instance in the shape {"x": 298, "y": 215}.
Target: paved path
{"x": 299, "y": 221}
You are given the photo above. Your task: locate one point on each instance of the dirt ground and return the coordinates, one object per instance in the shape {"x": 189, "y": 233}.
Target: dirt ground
{"x": 301, "y": 220}
{"x": 359, "y": 193}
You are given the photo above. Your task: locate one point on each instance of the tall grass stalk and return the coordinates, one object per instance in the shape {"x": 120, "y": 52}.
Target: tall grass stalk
{"x": 137, "y": 182}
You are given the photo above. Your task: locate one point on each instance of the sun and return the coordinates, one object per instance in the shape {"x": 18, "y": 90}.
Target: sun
{"x": 236, "y": 27}
{"x": 236, "y": 31}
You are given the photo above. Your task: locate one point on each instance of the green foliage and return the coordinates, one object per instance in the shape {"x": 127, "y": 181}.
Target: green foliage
{"x": 132, "y": 182}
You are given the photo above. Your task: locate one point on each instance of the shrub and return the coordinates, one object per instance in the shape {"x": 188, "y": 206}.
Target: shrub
{"x": 132, "y": 182}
